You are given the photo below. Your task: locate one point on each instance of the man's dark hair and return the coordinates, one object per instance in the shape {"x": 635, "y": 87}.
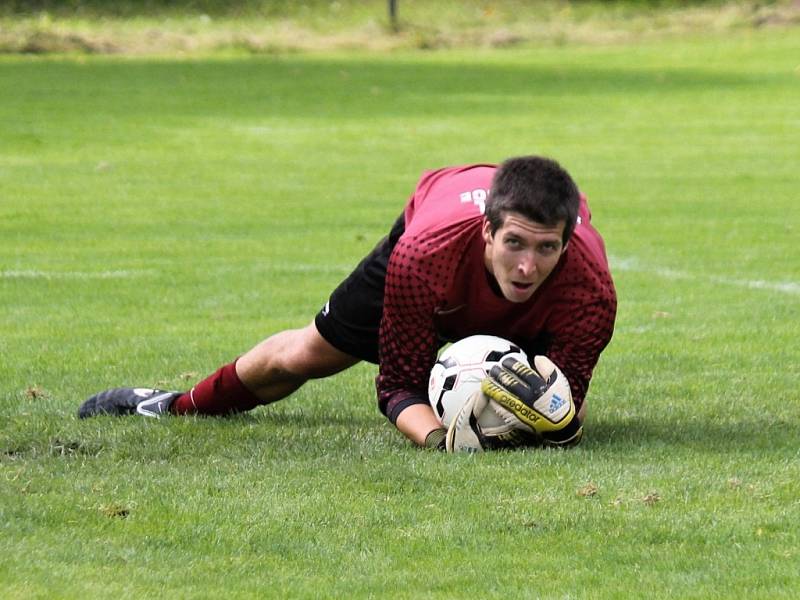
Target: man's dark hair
{"x": 537, "y": 188}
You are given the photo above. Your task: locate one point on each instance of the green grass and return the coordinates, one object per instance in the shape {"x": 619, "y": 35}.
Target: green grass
{"x": 159, "y": 217}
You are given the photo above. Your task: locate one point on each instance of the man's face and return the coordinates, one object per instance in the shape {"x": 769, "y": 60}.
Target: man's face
{"x": 521, "y": 254}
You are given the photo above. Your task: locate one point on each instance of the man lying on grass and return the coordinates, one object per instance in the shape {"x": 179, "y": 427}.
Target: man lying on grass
{"x": 479, "y": 249}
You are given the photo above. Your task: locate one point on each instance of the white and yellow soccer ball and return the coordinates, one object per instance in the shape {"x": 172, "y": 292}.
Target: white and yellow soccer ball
{"x": 458, "y": 373}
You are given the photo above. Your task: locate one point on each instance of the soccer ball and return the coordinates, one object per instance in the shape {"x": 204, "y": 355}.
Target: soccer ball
{"x": 458, "y": 373}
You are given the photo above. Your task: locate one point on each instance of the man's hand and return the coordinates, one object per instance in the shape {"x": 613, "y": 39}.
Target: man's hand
{"x": 464, "y": 434}
{"x": 539, "y": 396}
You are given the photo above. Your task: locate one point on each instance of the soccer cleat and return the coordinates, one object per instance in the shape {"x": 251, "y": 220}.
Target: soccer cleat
{"x": 128, "y": 401}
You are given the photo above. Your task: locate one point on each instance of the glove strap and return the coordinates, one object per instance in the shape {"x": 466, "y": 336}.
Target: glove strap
{"x": 568, "y": 436}
{"x": 436, "y": 439}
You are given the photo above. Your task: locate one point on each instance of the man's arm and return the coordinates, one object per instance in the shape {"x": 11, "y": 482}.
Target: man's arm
{"x": 417, "y": 422}
{"x": 582, "y": 411}
{"x": 577, "y": 346}
{"x": 408, "y": 345}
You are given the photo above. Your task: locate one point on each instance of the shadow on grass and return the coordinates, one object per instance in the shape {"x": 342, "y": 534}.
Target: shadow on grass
{"x": 330, "y": 426}
{"x": 707, "y": 436}
{"x": 625, "y": 433}
{"x": 285, "y": 414}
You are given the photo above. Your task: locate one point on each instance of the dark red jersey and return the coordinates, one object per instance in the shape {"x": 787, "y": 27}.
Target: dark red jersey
{"x": 438, "y": 289}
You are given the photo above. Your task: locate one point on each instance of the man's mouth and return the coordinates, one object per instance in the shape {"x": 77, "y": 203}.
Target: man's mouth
{"x": 521, "y": 286}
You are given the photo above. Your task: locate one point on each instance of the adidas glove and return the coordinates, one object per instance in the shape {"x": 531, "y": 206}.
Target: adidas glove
{"x": 539, "y": 396}
{"x": 464, "y": 434}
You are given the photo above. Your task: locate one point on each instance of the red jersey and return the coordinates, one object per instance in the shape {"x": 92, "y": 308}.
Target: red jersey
{"x": 438, "y": 289}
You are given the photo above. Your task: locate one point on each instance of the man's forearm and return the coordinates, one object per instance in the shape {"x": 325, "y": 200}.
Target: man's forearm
{"x": 582, "y": 411}
{"x": 416, "y": 422}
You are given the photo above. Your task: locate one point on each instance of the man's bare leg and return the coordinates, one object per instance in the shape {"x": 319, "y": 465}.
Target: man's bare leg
{"x": 270, "y": 371}
{"x": 283, "y": 362}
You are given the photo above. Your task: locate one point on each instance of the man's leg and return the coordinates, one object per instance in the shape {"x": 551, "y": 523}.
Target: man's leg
{"x": 283, "y": 362}
{"x": 270, "y": 371}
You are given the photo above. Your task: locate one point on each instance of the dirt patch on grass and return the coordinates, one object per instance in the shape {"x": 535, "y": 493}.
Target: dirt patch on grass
{"x": 49, "y": 42}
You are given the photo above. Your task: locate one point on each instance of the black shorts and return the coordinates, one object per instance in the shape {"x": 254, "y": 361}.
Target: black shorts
{"x": 351, "y": 318}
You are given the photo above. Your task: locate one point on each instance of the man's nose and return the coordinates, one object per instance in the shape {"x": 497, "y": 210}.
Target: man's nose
{"x": 527, "y": 265}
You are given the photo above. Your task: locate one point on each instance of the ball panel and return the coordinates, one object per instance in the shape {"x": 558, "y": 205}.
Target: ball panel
{"x": 458, "y": 373}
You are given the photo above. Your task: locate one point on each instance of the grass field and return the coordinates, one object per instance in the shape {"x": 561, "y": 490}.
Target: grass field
{"x": 158, "y": 217}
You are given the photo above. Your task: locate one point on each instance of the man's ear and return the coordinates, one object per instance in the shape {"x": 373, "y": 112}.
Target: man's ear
{"x": 564, "y": 248}
{"x": 487, "y": 231}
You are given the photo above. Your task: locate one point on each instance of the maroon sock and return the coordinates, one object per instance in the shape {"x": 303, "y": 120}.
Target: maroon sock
{"x": 218, "y": 394}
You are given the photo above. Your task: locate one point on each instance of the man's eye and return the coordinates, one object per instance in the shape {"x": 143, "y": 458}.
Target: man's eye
{"x": 513, "y": 243}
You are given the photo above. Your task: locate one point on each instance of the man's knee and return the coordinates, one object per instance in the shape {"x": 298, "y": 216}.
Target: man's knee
{"x": 296, "y": 354}
{"x": 312, "y": 356}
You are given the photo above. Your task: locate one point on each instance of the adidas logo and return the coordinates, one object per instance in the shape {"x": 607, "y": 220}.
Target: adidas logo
{"x": 556, "y": 402}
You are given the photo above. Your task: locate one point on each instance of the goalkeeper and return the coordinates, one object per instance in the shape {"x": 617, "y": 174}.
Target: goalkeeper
{"x": 503, "y": 250}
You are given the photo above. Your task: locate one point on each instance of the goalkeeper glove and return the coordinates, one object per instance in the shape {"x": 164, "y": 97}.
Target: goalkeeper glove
{"x": 464, "y": 434}
{"x": 539, "y": 396}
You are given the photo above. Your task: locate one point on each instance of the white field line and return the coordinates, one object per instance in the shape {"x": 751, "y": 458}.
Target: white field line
{"x": 305, "y": 268}
{"x": 633, "y": 265}
{"x": 79, "y": 275}
{"x": 138, "y": 273}
{"x": 617, "y": 264}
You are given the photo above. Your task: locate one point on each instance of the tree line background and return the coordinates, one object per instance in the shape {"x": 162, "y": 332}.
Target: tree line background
{"x": 267, "y": 8}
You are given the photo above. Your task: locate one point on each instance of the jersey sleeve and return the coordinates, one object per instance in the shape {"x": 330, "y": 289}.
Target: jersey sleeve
{"x": 579, "y": 340}
{"x": 408, "y": 341}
